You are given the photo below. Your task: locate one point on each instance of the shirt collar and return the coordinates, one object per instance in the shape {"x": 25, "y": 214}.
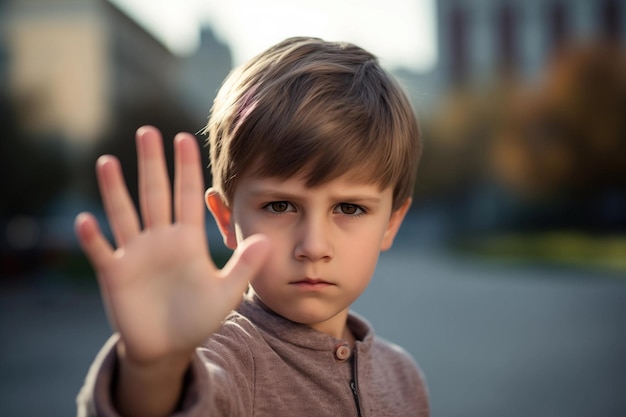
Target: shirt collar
{"x": 299, "y": 334}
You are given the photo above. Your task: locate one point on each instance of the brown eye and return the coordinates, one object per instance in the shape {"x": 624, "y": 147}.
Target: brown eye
{"x": 279, "y": 207}
{"x": 349, "y": 209}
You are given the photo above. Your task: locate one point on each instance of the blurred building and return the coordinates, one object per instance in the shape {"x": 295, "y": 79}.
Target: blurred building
{"x": 77, "y": 77}
{"x": 77, "y": 67}
{"x": 202, "y": 75}
{"x": 479, "y": 39}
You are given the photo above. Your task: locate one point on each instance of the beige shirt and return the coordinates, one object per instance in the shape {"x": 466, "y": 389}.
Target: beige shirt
{"x": 260, "y": 364}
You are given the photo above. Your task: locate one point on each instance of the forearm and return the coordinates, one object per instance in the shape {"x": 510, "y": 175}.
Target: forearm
{"x": 149, "y": 390}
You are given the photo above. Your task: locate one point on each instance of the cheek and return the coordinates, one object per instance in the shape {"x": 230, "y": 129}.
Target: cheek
{"x": 251, "y": 225}
{"x": 278, "y": 237}
{"x": 360, "y": 250}
{"x": 246, "y": 224}
{"x": 363, "y": 256}
{"x": 366, "y": 238}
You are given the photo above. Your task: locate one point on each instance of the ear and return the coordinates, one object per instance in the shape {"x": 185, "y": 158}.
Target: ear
{"x": 394, "y": 225}
{"x": 223, "y": 216}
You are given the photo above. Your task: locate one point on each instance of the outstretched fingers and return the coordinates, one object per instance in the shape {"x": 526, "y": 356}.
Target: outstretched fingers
{"x": 118, "y": 204}
{"x": 99, "y": 252}
{"x": 92, "y": 241}
{"x": 154, "y": 185}
{"x": 189, "y": 183}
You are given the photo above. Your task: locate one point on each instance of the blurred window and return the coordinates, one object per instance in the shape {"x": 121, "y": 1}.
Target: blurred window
{"x": 611, "y": 18}
{"x": 507, "y": 36}
{"x": 558, "y": 23}
{"x": 459, "y": 40}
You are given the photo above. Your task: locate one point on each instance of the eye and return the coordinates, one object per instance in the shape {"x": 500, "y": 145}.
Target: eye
{"x": 349, "y": 209}
{"x": 279, "y": 207}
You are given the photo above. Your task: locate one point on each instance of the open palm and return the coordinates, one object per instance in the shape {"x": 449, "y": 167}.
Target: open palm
{"x": 162, "y": 292}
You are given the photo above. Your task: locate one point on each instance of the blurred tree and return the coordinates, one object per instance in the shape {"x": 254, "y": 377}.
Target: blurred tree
{"x": 452, "y": 145}
{"x": 566, "y": 141}
{"x": 569, "y": 136}
{"x": 457, "y": 139}
{"x": 540, "y": 157}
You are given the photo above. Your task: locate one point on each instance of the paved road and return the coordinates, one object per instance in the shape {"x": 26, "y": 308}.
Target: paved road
{"x": 495, "y": 341}
{"x": 502, "y": 341}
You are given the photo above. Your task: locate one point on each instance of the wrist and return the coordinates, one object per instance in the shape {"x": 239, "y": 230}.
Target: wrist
{"x": 149, "y": 388}
{"x": 167, "y": 365}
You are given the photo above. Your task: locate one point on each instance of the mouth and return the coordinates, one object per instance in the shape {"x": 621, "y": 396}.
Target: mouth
{"x": 312, "y": 283}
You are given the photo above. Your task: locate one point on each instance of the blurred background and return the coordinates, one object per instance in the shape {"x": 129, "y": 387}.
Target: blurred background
{"x": 507, "y": 282}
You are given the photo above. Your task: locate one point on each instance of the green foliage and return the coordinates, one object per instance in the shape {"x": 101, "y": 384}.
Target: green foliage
{"x": 556, "y": 248}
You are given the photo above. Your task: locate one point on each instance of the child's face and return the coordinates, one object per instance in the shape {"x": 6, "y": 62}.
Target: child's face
{"x": 325, "y": 243}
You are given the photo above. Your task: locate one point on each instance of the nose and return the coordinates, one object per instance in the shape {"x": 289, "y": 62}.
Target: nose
{"x": 314, "y": 241}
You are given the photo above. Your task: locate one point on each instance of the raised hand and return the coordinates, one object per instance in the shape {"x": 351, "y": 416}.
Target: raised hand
{"x": 162, "y": 292}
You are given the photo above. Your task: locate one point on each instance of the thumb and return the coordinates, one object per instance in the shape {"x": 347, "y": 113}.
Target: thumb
{"x": 92, "y": 241}
{"x": 246, "y": 261}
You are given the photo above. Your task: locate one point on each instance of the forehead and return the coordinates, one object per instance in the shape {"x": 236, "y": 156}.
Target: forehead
{"x": 314, "y": 174}
{"x": 350, "y": 183}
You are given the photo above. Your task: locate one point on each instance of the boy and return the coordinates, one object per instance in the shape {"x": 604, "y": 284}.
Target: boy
{"x": 313, "y": 153}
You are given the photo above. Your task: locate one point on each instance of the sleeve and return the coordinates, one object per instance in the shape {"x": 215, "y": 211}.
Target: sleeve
{"x": 212, "y": 387}
{"x": 414, "y": 382}
{"x": 94, "y": 398}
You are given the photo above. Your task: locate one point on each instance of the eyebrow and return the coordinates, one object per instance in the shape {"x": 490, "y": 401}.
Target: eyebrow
{"x": 285, "y": 195}
{"x": 356, "y": 198}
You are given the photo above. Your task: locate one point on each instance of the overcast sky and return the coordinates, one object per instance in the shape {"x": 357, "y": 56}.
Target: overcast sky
{"x": 400, "y": 32}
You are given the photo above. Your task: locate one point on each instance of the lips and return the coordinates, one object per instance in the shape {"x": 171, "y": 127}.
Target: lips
{"x": 312, "y": 283}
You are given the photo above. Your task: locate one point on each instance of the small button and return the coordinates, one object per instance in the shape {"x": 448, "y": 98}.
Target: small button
{"x": 342, "y": 351}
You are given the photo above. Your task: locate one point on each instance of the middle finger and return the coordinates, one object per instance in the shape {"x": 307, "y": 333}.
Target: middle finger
{"x": 154, "y": 184}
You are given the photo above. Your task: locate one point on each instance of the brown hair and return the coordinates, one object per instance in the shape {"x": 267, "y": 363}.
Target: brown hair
{"x": 318, "y": 109}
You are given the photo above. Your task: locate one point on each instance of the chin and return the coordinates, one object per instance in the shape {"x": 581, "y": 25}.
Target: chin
{"x": 311, "y": 315}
